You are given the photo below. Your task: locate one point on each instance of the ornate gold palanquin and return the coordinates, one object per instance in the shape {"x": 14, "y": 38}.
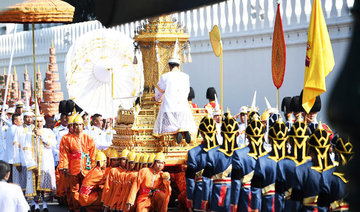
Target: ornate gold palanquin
{"x": 134, "y": 127}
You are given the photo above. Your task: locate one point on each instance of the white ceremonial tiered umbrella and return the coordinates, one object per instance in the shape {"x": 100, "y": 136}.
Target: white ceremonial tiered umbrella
{"x": 100, "y": 74}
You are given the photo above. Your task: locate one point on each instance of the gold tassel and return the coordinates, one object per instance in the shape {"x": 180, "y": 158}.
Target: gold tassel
{"x": 189, "y": 55}
{"x": 184, "y": 59}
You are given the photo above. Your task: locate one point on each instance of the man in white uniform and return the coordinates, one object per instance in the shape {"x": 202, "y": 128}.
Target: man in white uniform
{"x": 97, "y": 133}
{"x": 59, "y": 132}
{"x": 172, "y": 90}
{"x": 13, "y": 199}
{"x": 12, "y": 154}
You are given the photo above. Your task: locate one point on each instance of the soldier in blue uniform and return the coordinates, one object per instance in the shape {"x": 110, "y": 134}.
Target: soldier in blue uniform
{"x": 218, "y": 167}
{"x": 332, "y": 195}
{"x": 263, "y": 182}
{"x": 307, "y": 176}
{"x": 243, "y": 164}
{"x": 196, "y": 162}
{"x": 285, "y": 171}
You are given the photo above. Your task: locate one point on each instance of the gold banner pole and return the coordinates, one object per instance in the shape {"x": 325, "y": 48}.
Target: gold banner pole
{"x": 35, "y": 79}
{"x": 222, "y": 88}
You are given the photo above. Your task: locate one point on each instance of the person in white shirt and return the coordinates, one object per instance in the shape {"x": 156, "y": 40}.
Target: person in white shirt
{"x": 12, "y": 154}
{"x": 175, "y": 115}
{"x": 12, "y": 199}
{"x": 109, "y": 131}
{"x": 59, "y": 132}
{"x": 97, "y": 133}
{"x": 241, "y": 139}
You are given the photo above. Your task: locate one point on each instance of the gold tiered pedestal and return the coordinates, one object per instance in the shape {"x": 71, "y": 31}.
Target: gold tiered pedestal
{"x": 134, "y": 127}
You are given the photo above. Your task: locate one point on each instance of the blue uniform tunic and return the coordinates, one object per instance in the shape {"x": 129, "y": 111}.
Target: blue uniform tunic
{"x": 332, "y": 191}
{"x": 285, "y": 173}
{"x": 196, "y": 163}
{"x": 305, "y": 187}
{"x": 219, "y": 168}
{"x": 243, "y": 169}
{"x": 263, "y": 184}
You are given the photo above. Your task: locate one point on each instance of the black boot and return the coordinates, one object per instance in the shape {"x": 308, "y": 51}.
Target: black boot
{"x": 187, "y": 137}
{"x": 178, "y": 137}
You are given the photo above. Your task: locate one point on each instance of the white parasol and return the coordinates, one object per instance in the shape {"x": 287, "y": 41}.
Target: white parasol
{"x": 100, "y": 74}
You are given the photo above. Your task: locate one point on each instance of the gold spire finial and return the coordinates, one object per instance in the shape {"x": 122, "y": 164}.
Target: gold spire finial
{"x": 14, "y": 70}
{"x": 228, "y": 112}
{"x": 52, "y": 43}
{"x": 38, "y": 68}
{"x": 4, "y": 71}
{"x": 26, "y": 71}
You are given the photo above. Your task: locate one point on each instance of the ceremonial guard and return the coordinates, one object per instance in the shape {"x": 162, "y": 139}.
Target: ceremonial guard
{"x": 243, "y": 164}
{"x": 296, "y": 107}
{"x": 92, "y": 186}
{"x": 285, "y": 171}
{"x": 218, "y": 167}
{"x": 79, "y": 157}
{"x": 263, "y": 182}
{"x": 310, "y": 118}
{"x": 307, "y": 176}
{"x": 175, "y": 115}
{"x": 210, "y": 95}
{"x": 191, "y": 97}
{"x": 288, "y": 113}
{"x": 151, "y": 189}
{"x": 196, "y": 162}
{"x": 333, "y": 183}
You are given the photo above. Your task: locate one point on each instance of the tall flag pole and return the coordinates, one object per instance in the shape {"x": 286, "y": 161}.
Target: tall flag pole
{"x": 278, "y": 59}
{"x": 216, "y": 44}
{"x": 319, "y": 60}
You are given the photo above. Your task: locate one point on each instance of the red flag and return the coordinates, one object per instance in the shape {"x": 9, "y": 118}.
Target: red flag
{"x": 278, "y": 59}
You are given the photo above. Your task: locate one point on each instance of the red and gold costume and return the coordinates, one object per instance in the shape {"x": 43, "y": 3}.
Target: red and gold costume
{"x": 153, "y": 191}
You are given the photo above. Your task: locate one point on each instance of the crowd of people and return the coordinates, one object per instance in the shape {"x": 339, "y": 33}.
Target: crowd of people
{"x": 74, "y": 163}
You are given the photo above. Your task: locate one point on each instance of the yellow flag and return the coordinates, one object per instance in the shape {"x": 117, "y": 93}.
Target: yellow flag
{"x": 319, "y": 57}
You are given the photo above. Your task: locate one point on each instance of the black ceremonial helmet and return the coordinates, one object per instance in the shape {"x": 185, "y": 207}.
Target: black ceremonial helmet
{"x": 278, "y": 135}
{"x": 345, "y": 150}
{"x": 207, "y": 127}
{"x": 298, "y": 136}
{"x": 255, "y": 132}
{"x": 319, "y": 143}
{"x": 229, "y": 130}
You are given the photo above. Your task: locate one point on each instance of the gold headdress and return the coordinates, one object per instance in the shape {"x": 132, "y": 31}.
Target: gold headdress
{"x": 229, "y": 130}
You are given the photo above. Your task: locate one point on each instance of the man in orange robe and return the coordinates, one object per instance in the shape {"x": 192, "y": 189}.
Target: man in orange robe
{"x": 92, "y": 185}
{"x": 79, "y": 157}
{"x": 62, "y": 187}
{"x": 112, "y": 180}
{"x": 153, "y": 188}
{"x": 128, "y": 180}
